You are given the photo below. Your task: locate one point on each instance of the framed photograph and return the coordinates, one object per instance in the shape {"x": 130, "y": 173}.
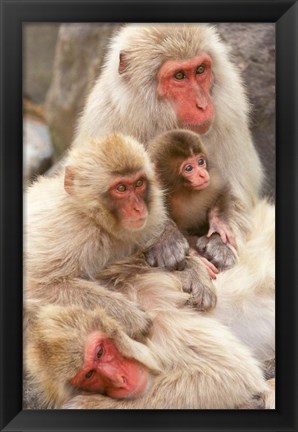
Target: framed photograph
{"x": 262, "y": 40}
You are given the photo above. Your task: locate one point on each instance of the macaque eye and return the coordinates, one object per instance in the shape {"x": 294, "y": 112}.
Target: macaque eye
{"x": 139, "y": 183}
{"x": 200, "y": 69}
{"x": 121, "y": 188}
{"x": 188, "y": 168}
{"x": 99, "y": 352}
{"x": 89, "y": 374}
{"x": 179, "y": 75}
{"x": 201, "y": 162}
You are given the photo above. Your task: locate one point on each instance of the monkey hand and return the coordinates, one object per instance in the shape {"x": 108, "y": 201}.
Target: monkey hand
{"x": 196, "y": 281}
{"x": 212, "y": 270}
{"x": 215, "y": 250}
{"x": 223, "y": 230}
{"x": 202, "y": 297}
{"x": 170, "y": 249}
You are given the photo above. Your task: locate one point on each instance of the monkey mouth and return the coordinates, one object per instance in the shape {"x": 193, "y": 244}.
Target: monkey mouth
{"x": 200, "y": 128}
{"x": 144, "y": 383}
{"x": 201, "y": 185}
{"x": 135, "y": 224}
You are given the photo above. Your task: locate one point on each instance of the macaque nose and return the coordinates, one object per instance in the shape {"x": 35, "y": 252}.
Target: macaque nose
{"x": 201, "y": 100}
{"x": 120, "y": 381}
{"x": 138, "y": 207}
{"x": 201, "y": 105}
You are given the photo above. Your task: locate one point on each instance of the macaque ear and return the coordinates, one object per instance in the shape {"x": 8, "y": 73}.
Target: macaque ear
{"x": 69, "y": 176}
{"x": 123, "y": 62}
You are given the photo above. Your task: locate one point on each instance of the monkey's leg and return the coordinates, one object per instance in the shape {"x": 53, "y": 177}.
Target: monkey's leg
{"x": 88, "y": 294}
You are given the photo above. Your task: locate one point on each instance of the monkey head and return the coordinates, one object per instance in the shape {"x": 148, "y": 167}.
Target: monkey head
{"x": 111, "y": 180}
{"x": 186, "y": 85}
{"x": 96, "y": 356}
{"x": 180, "y": 160}
{"x": 181, "y": 68}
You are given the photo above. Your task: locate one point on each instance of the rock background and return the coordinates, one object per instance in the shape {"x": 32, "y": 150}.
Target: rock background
{"x": 79, "y": 55}
{"x": 253, "y": 48}
{"x": 62, "y": 80}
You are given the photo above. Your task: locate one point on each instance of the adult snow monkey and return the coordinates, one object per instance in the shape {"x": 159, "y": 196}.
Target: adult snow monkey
{"x": 159, "y": 77}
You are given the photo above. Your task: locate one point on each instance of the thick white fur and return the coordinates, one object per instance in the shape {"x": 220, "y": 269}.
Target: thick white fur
{"x": 246, "y": 292}
{"x": 129, "y": 103}
{"x": 204, "y": 364}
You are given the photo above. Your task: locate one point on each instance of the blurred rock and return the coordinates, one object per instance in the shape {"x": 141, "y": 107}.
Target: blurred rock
{"x": 38, "y": 148}
{"x": 79, "y": 56}
{"x": 39, "y": 43}
{"x": 80, "y": 52}
{"x": 253, "y": 49}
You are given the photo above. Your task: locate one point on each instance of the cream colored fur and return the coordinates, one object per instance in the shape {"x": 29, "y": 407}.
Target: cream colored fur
{"x": 204, "y": 362}
{"x": 129, "y": 103}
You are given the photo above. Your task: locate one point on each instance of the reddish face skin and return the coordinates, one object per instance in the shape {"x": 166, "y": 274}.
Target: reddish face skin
{"x": 186, "y": 84}
{"x": 128, "y": 194}
{"x": 106, "y": 371}
{"x": 194, "y": 172}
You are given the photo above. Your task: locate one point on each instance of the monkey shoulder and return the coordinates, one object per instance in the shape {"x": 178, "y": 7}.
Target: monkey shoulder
{"x": 58, "y": 241}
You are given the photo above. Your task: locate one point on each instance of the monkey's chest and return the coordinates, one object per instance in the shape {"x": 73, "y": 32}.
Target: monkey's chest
{"x": 189, "y": 212}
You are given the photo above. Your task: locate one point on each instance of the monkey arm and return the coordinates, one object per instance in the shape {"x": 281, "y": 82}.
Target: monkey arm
{"x": 193, "y": 278}
{"x": 89, "y": 294}
{"x": 227, "y": 221}
{"x": 218, "y": 225}
{"x": 169, "y": 250}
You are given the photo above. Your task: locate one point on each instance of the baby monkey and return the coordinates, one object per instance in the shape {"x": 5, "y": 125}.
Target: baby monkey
{"x": 197, "y": 197}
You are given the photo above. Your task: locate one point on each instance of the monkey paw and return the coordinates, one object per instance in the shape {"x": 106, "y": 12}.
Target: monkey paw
{"x": 216, "y": 251}
{"x": 170, "y": 249}
{"x": 202, "y": 297}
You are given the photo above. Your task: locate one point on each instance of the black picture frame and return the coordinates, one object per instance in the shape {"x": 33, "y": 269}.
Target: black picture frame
{"x": 13, "y": 14}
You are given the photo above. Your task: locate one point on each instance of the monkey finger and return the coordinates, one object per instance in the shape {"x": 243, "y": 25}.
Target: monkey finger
{"x": 223, "y": 236}
{"x": 212, "y": 270}
{"x": 218, "y": 231}
{"x": 202, "y": 297}
{"x": 212, "y": 275}
{"x": 193, "y": 252}
{"x": 232, "y": 240}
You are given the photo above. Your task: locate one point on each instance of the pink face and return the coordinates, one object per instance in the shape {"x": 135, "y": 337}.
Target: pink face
{"x": 194, "y": 171}
{"x": 128, "y": 195}
{"x": 186, "y": 84}
{"x": 106, "y": 371}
